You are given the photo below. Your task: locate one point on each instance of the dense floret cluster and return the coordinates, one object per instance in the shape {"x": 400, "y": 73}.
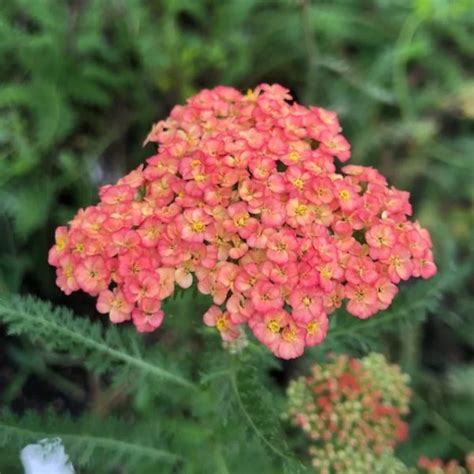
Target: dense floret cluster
{"x": 351, "y": 411}
{"x": 243, "y": 195}
{"x": 437, "y": 466}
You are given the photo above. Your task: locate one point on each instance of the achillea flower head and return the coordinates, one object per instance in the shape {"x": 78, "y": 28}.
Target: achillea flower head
{"x": 243, "y": 196}
{"x": 347, "y": 461}
{"x": 437, "y": 466}
{"x": 350, "y": 416}
{"x": 389, "y": 380}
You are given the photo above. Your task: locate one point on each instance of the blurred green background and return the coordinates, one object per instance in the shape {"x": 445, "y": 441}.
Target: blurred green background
{"x": 82, "y": 81}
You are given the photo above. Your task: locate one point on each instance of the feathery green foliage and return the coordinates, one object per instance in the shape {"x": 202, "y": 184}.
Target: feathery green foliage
{"x": 59, "y": 330}
{"x": 258, "y": 407}
{"x": 91, "y": 442}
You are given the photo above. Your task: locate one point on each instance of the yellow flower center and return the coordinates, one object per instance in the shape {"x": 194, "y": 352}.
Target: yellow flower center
{"x": 306, "y": 301}
{"x": 289, "y": 335}
{"x": 344, "y": 195}
{"x": 251, "y": 96}
{"x": 152, "y": 232}
{"x": 199, "y": 178}
{"x": 221, "y": 324}
{"x": 395, "y": 261}
{"x": 242, "y": 220}
{"x": 118, "y": 199}
{"x": 116, "y": 303}
{"x": 298, "y": 183}
{"x": 197, "y": 226}
{"x": 68, "y": 271}
{"x": 301, "y": 210}
{"x": 294, "y": 156}
{"x": 273, "y": 326}
{"x": 79, "y": 247}
{"x": 312, "y": 327}
{"x": 360, "y": 295}
{"x": 326, "y": 273}
{"x": 61, "y": 243}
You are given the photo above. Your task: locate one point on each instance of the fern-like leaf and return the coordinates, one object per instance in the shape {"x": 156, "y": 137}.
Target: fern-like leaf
{"x": 59, "y": 330}
{"x": 105, "y": 444}
{"x": 258, "y": 409}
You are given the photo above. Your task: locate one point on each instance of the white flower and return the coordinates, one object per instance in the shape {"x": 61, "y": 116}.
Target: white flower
{"x": 47, "y": 456}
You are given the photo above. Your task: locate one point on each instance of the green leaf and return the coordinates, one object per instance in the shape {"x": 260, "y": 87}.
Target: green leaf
{"x": 89, "y": 441}
{"x": 59, "y": 330}
{"x": 257, "y": 406}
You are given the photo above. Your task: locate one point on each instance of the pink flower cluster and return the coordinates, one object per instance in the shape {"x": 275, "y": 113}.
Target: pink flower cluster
{"x": 437, "y": 466}
{"x": 351, "y": 413}
{"x": 243, "y": 195}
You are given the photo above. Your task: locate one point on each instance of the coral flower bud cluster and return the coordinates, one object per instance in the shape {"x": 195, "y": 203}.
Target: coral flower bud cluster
{"x": 351, "y": 411}
{"x": 243, "y": 196}
{"x": 437, "y": 466}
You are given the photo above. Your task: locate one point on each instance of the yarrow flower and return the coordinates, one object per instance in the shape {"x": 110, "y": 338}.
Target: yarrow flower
{"x": 351, "y": 411}
{"x": 243, "y": 196}
{"x": 437, "y": 466}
